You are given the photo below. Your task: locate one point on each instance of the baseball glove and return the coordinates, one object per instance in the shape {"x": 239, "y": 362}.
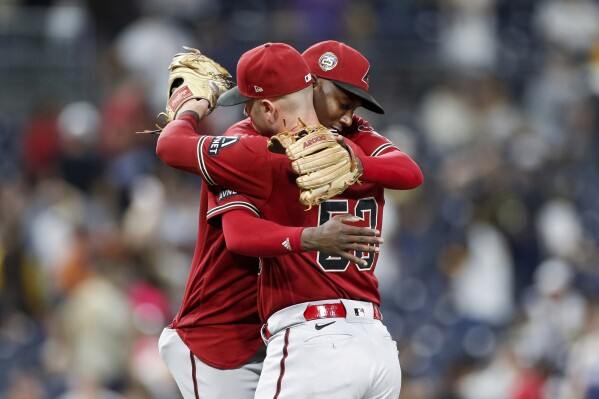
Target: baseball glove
{"x": 193, "y": 76}
{"x": 325, "y": 168}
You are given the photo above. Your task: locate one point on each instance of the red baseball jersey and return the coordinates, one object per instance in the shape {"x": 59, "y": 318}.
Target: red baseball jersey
{"x": 243, "y": 163}
{"x": 362, "y": 134}
{"x": 218, "y": 319}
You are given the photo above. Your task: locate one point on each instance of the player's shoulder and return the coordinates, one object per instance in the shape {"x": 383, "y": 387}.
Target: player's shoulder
{"x": 359, "y": 126}
{"x": 238, "y": 140}
{"x": 358, "y": 121}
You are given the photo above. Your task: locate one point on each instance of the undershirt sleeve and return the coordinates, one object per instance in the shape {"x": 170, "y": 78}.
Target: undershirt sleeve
{"x": 394, "y": 170}
{"x": 177, "y": 143}
{"x": 383, "y": 163}
{"x": 248, "y": 235}
{"x": 241, "y": 163}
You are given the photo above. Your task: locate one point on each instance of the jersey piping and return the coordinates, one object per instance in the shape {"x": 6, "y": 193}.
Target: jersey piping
{"x": 203, "y": 168}
{"x": 234, "y": 204}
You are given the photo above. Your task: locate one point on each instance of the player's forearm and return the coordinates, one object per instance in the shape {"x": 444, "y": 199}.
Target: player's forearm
{"x": 249, "y": 235}
{"x": 177, "y": 144}
{"x": 394, "y": 170}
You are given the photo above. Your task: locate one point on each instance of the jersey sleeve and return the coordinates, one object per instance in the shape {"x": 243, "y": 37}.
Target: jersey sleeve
{"x": 248, "y": 235}
{"x": 241, "y": 163}
{"x": 383, "y": 163}
{"x": 371, "y": 142}
{"x": 222, "y": 200}
{"x": 394, "y": 170}
{"x": 177, "y": 143}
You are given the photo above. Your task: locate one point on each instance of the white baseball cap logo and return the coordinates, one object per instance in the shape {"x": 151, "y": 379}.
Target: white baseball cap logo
{"x": 366, "y": 77}
{"x": 258, "y": 89}
{"x": 327, "y": 61}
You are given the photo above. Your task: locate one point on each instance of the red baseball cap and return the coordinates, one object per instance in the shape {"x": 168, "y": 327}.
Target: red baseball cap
{"x": 345, "y": 67}
{"x": 269, "y": 70}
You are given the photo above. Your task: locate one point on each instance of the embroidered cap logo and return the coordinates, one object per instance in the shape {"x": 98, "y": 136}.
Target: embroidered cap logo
{"x": 366, "y": 77}
{"x": 327, "y": 61}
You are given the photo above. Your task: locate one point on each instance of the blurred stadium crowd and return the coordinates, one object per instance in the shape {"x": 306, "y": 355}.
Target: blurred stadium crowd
{"x": 489, "y": 273}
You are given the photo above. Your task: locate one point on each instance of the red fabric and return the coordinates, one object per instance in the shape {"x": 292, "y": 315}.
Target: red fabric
{"x": 529, "y": 386}
{"x": 249, "y": 235}
{"x": 272, "y": 70}
{"x": 218, "y": 318}
{"x": 245, "y": 165}
{"x": 268, "y": 183}
{"x": 329, "y": 310}
{"x": 383, "y": 163}
{"x": 221, "y": 283}
{"x": 394, "y": 170}
{"x": 41, "y": 144}
{"x": 177, "y": 143}
{"x": 324, "y": 311}
{"x": 142, "y": 294}
{"x": 333, "y": 60}
{"x": 123, "y": 112}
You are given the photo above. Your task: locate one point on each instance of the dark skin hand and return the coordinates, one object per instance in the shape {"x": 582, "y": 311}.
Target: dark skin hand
{"x": 342, "y": 143}
{"x": 337, "y": 238}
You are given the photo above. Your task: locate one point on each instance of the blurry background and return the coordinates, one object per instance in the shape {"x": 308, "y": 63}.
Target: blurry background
{"x": 489, "y": 273}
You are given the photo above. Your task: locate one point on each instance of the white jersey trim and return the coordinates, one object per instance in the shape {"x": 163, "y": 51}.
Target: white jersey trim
{"x": 233, "y": 204}
{"x": 201, "y": 162}
{"x": 381, "y": 148}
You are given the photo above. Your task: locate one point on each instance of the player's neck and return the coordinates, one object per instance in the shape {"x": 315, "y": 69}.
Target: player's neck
{"x": 301, "y": 120}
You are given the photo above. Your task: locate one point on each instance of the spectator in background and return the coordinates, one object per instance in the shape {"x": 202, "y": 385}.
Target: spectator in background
{"x": 79, "y": 162}
{"x": 145, "y": 46}
{"x": 583, "y": 364}
{"x": 41, "y": 141}
{"x": 554, "y": 18}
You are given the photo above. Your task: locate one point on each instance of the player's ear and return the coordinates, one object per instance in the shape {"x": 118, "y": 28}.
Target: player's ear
{"x": 315, "y": 81}
{"x": 269, "y": 110}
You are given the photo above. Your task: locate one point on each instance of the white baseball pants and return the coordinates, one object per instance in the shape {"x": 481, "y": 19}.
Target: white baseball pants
{"x": 329, "y": 358}
{"x": 196, "y": 379}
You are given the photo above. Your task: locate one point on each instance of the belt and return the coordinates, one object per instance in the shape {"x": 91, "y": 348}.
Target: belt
{"x": 325, "y": 311}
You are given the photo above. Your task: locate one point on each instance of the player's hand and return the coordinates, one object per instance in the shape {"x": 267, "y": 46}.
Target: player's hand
{"x": 341, "y": 141}
{"x": 337, "y": 238}
{"x": 200, "y": 106}
{"x": 192, "y": 76}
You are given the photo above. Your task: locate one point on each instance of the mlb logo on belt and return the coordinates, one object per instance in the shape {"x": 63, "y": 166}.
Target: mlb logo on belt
{"x": 360, "y": 312}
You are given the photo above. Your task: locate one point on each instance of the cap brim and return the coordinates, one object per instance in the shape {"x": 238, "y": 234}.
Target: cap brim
{"x": 368, "y": 101}
{"x": 231, "y": 97}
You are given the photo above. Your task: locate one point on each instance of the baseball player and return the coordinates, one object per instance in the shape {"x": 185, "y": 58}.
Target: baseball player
{"x": 299, "y": 290}
{"x": 213, "y": 347}
{"x": 341, "y": 80}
